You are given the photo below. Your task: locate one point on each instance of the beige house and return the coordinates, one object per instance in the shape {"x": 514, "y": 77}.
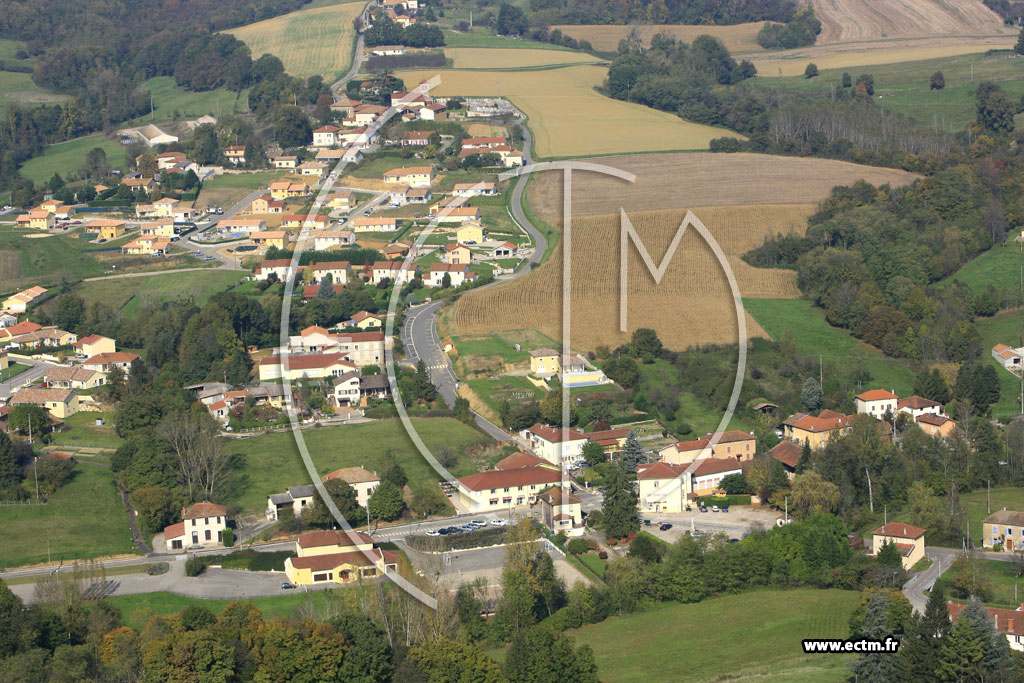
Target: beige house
{"x": 269, "y": 238}
{"x": 1003, "y": 527}
{"x": 471, "y": 232}
{"x": 497, "y": 490}
{"x": 414, "y": 176}
{"x": 235, "y": 154}
{"x": 544, "y": 362}
{"x": 802, "y": 428}
{"x": 202, "y": 525}
{"x": 561, "y": 511}
{"x": 392, "y": 270}
{"x": 876, "y": 403}
{"x": 38, "y": 219}
{"x": 325, "y": 240}
{"x": 298, "y": 498}
{"x": 148, "y": 245}
{"x": 662, "y": 487}
{"x": 161, "y": 227}
{"x": 337, "y": 557}
{"x": 457, "y": 254}
{"x": 1009, "y": 622}
{"x": 460, "y": 215}
{"x": 373, "y": 224}
{"x": 278, "y": 267}
{"x": 74, "y": 378}
{"x": 326, "y": 136}
{"x": 732, "y": 443}
{"x": 937, "y": 425}
{"x": 364, "y": 320}
{"x": 909, "y": 541}
{"x": 341, "y": 200}
{"x": 362, "y": 481}
{"x": 309, "y": 365}
{"x": 105, "y": 362}
{"x": 338, "y": 270}
{"x": 285, "y": 161}
{"x": 106, "y": 229}
{"x": 60, "y": 403}
{"x": 916, "y": 406}
{"x": 19, "y": 303}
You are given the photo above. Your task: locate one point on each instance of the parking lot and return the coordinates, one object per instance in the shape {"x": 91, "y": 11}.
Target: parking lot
{"x": 737, "y": 522}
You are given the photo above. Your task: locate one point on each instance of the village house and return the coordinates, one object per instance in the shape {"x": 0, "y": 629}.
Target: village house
{"x": 732, "y": 443}
{"x": 915, "y": 406}
{"x": 7, "y": 319}
{"x": 337, "y": 557}
{"x": 298, "y": 220}
{"x": 148, "y": 245}
{"x": 484, "y": 143}
{"x": 876, "y": 403}
{"x": 278, "y": 267}
{"x": 459, "y": 215}
{"x": 202, "y": 525}
{"x": 235, "y": 154}
{"x": 332, "y": 156}
{"x": 481, "y": 188}
{"x": 362, "y": 481}
{"x": 472, "y": 231}
{"x": 242, "y": 225}
{"x": 361, "y": 348}
{"x": 341, "y": 200}
{"x": 1009, "y": 622}
{"x": 36, "y": 338}
{"x": 909, "y": 541}
{"x": 365, "y": 321}
{"x": 284, "y": 189}
{"x": 496, "y": 490}
{"x": 266, "y": 204}
{"x": 1008, "y": 357}
{"x": 38, "y": 219}
{"x": 9, "y": 333}
{"x": 415, "y": 138}
{"x": 105, "y": 229}
{"x": 105, "y": 362}
{"x": 373, "y": 224}
{"x": 387, "y": 50}
{"x": 286, "y": 161}
{"x": 788, "y": 454}
{"x": 74, "y": 378}
{"x": 611, "y": 440}
{"x": 418, "y": 195}
{"x": 60, "y": 403}
{"x": 561, "y": 511}
{"x": 456, "y": 274}
{"x": 457, "y": 254}
{"x": 325, "y": 136}
{"x": 504, "y": 250}
{"x": 162, "y": 227}
{"x": 270, "y": 238}
{"x": 359, "y": 136}
{"x": 343, "y": 105}
{"x": 312, "y": 168}
{"x": 662, "y": 487}
{"x": 298, "y": 498}
{"x": 345, "y": 390}
{"x": 304, "y": 366}
{"x": 432, "y": 112}
{"x": 393, "y": 271}
{"x": 937, "y": 425}
{"x": 414, "y": 176}
{"x": 146, "y": 185}
{"x": 803, "y": 428}
{"x": 325, "y": 240}
{"x": 1003, "y": 528}
{"x": 544, "y": 362}
{"x": 20, "y": 302}
{"x": 397, "y": 194}
{"x": 152, "y": 136}
{"x": 557, "y": 446}
{"x": 337, "y": 270}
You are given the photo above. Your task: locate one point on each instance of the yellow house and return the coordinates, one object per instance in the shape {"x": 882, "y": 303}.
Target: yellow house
{"x": 338, "y": 557}
{"x": 147, "y": 245}
{"x": 39, "y": 219}
{"x": 270, "y": 238}
{"x": 816, "y": 431}
{"x": 1003, "y": 527}
{"x": 95, "y": 344}
{"x": 909, "y": 541}
{"x": 61, "y": 403}
{"x": 471, "y": 232}
{"x": 163, "y": 227}
{"x": 107, "y": 229}
{"x": 937, "y": 425}
{"x": 310, "y": 365}
{"x": 285, "y": 161}
{"x": 342, "y": 200}
{"x": 544, "y": 362}
{"x": 414, "y": 176}
{"x": 283, "y": 189}
{"x": 52, "y": 205}
{"x": 166, "y": 207}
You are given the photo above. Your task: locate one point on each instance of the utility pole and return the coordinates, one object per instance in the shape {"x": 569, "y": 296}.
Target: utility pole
{"x": 990, "y": 496}
{"x": 821, "y": 374}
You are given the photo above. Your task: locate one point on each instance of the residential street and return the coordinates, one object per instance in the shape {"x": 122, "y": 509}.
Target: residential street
{"x": 37, "y": 370}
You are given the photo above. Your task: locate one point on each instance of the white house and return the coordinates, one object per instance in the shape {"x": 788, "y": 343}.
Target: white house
{"x": 1009, "y": 358}
{"x": 876, "y": 403}
{"x": 915, "y": 406}
{"x": 555, "y": 445}
{"x": 362, "y": 481}
{"x": 202, "y": 524}
{"x": 497, "y": 490}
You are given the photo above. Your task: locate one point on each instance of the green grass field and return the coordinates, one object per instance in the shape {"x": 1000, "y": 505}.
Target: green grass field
{"x": 1004, "y": 328}
{"x": 81, "y": 430}
{"x": 64, "y": 157}
{"x": 18, "y": 88}
{"x": 273, "y": 462}
{"x": 139, "y": 609}
{"x": 480, "y": 37}
{"x": 904, "y": 87}
{"x": 130, "y": 293}
{"x": 12, "y": 370}
{"x": 813, "y": 336}
{"x": 492, "y": 346}
{"x": 84, "y": 519}
{"x": 999, "y": 266}
{"x": 694, "y": 410}
{"x": 169, "y": 98}
{"x": 230, "y": 188}
{"x": 45, "y": 260}
{"x": 1003, "y": 579}
{"x": 976, "y": 506}
{"x": 685, "y": 642}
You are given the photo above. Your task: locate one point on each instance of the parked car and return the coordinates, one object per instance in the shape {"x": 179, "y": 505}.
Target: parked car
{"x": 696, "y": 532}
{"x": 287, "y": 586}
{"x": 703, "y": 508}
{"x": 478, "y": 523}
{"x": 433, "y": 532}
{"x": 207, "y": 258}
{"x": 442, "y": 532}
{"x": 714, "y": 508}
{"x": 725, "y": 508}
{"x": 665, "y": 527}
{"x": 499, "y": 522}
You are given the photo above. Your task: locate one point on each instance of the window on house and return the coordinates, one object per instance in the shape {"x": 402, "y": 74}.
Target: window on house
{"x": 208, "y": 535}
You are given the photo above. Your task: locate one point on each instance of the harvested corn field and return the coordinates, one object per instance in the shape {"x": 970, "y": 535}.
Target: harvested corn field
{"x": 606, "y": 37}
{"x": 667, "y": 181}
{"x": 845, "y": 20}
{"x": 692, "y": 304}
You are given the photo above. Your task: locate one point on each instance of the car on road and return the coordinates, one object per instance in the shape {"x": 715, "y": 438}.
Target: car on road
{"x": 207, "y": 258}
{"x": 434, "y": 532}
{"x": 665, "y": 527}
{"x": 499, "y": 522}
{"x": 734, "y": 540}
{"x": 714, "y": 508}
{"x": 287, "y": 586}
{"x": 366, "y": 213}
{"x": 478, "y": 523}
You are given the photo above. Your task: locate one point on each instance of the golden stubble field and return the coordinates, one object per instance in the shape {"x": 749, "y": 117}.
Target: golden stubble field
{"x": 308, "y": 42}
{"x": 569, "y": 118}
{"x": 846, "y": 20}
{"x": 692, "y": 304}
{"x": 606, "y": 37}
{"x": 668, "y": 181}
{"x": 511, "y": 58}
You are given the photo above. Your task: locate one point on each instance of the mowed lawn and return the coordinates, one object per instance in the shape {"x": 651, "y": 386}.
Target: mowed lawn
{"x": 1006, "y": 327}
{"x": 84, "y": 519}
{"x": 67, "y": 157}
{"x": 316, "y": 41}
{"x": 814, "y": 336}
{"x": 976, "y": 506}
{"x": 904, "y": 86}
{"x": 129, "y": 293}
{"x": 273, "y": 462}
{"x": 747, "y": 634}
{"x": 172, "y": 101}
{"x": 230, "y": 188}
{"x": 81, "y": 430}
{"x": 553, "y": 100}
{"x": 139, "y": 609}
{"x": 1000, "y": 266}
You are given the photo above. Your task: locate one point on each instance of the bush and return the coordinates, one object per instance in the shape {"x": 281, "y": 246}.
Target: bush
{"x": 602, "y": 555}
{"x": 158, "y": 569}
{"x": 229, "y": 537}
{"x": 194, "y": 566}
{"x": 577, "y": 546}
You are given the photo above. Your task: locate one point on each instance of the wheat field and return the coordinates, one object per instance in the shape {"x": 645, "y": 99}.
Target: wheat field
{"x": 511, "y": 58}
{"x": 309, "y": 42}
{"x": 606, "y": 37}
{"x": 846, "y": 20}
{"x": 569, "y": 118}
{"x": 692, "y": 305}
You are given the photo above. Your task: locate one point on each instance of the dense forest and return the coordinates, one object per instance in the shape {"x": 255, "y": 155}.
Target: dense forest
{"x": 712, "y": 12}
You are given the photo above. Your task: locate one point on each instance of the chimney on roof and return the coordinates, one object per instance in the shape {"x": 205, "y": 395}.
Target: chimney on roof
{"x": 995, "y": 621}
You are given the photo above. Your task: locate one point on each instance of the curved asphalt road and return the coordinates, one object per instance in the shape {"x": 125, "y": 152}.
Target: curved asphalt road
{"x": 419, "y": 331}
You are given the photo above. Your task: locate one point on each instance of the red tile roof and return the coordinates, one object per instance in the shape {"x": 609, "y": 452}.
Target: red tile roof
{"x": 344, "y": 539}
{"x": 876, "y": 395}
{"x": 899, "y": 530}
{"x": 917, "y": 403}
{"x": 499, "y": 479}
{"x": 204, "y": 509}
{"x": 320, "y": 563}
{"x": 608, "y": 434}
{"x": 91, "y": 339}
{"x": 788, "y": 453}
{"x": 707, "y": 466}
{"x": 1005, "y": 620}
{"x": 935, "y": 420}
{"x": 556, "y": 496}
{"x": 822, "y": 423}
{"x": 310, "y": 361}
{"x": 519, "y": 460}
{"x": 174, "y": 530}
{"x": 555, "y": 435}
{"x": 659, "y": 470}
{"x": 111, "y": 357}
